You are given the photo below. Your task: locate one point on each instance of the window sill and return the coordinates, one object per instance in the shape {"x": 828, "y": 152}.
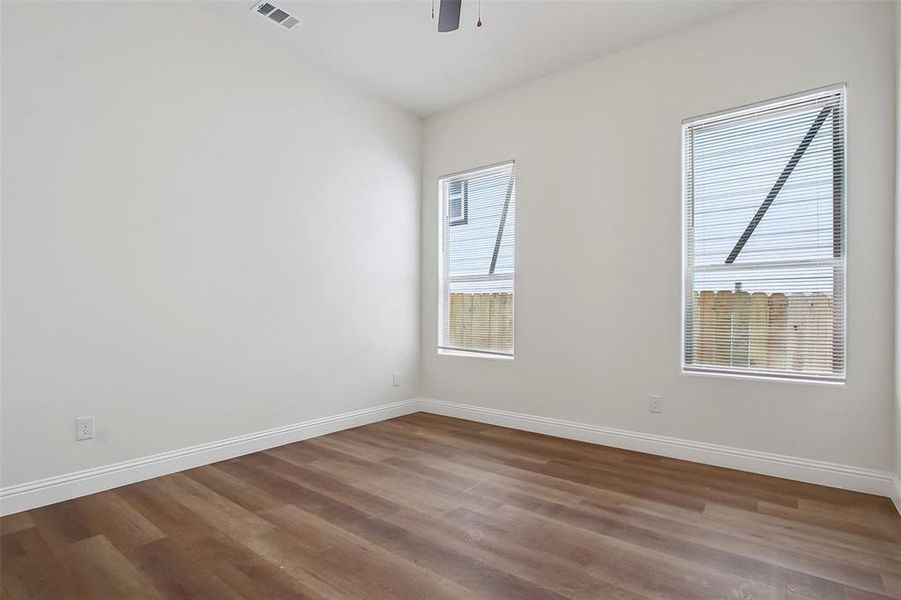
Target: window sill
{"x": 763, "y": 377}
{"x": 465, "y": 354}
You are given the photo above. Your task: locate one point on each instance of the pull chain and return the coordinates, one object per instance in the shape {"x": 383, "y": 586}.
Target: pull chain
{"x": 479, "y": 23}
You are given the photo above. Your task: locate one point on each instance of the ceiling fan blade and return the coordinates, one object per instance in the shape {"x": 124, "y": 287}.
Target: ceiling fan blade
{"x": 449, "y": 15}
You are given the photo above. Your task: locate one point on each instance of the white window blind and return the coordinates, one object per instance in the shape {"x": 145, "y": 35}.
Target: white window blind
{"x": 477, "y": 254}
{"x": 764, "y": 191}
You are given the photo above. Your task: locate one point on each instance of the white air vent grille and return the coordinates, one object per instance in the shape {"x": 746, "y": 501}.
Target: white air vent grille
{"x": 273, "y": 13}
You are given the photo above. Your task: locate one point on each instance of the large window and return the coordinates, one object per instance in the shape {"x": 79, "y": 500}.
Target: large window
{"x": 764, "y": 190}
{"x": 478, "y": 237}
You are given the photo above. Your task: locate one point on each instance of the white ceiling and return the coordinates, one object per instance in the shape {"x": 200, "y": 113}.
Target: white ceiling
{"x": 392, "y": 48}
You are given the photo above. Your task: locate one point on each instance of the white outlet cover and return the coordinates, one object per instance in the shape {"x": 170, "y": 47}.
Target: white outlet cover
{"x": 395, "y": 379}
{"x": 84, "y": 428}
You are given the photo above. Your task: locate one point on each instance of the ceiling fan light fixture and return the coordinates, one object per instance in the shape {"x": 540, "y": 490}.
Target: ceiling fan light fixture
{"x": 449, "y": 15}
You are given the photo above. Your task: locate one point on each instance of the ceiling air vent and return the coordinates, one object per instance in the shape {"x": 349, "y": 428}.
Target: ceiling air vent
{"x": 276, "y": 14}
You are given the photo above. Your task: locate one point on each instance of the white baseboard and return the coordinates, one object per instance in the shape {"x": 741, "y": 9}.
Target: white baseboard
{"x": 34, "y": 494}
{"x": 789, "y": 467}
{"x": 896, "y": 492}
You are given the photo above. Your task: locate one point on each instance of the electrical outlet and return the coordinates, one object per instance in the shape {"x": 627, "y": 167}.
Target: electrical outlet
{"x": 655, "y": 403}
{"x": 395, "y": 379}
{"x": 84, "y": 428}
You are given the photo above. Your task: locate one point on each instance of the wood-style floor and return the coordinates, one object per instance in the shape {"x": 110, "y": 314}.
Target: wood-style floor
{"x": 431, "y": 507}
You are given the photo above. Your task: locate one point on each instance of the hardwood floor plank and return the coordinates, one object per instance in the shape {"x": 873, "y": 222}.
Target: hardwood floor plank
{"x": 289, "y": 552}
{"x": 108, "y": 514}
{"x": 892, "y": 584}
{"x": 613, "y": 560}
{"x": 249, "y": 574}
{"x": 213, "y": 509}
{"x": 525, "y": 561}
{"x": 403, "y": 488}
{"x": 748, "y": 566}
{"x": 841, "y": 521}
{"x": 104, "y": 572}
{"x": 163, "y": 563}
{"x": 818, "y": 541}
{"x": 234, "y": 488}
{"x": 289, "y": 492}
{"x": 696, "y": 531}
{"x": 484, "y": 580}
{"x": 382, "y": 573}
{"x": 304, "y": 452}
{"x": 169, "y": 515}
{"x": 61, "y": 523}
{"x": 30, "y": 569}
{"x": 323, "y": 483}
{"x": 14, "y": 523}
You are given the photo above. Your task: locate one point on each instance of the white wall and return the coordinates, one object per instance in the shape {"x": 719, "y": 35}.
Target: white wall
{"x": 201, "y": 237}
{"x": 898, "y": 239}
{"x": 599, "y": 234}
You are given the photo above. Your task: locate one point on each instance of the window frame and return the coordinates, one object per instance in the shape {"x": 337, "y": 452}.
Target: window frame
{"x": 444, "y": 259}
{"x": 839, "y": 266}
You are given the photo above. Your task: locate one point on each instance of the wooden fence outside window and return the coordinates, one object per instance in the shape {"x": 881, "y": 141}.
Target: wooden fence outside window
{"x": 482, "y": 321}
{"x": 781, "y": 332}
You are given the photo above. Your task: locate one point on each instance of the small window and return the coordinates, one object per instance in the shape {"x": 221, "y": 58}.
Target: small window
{"x": 764, "y": 191}
{"x": 457, "y": 203}
{"x": 478, "y": 237}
